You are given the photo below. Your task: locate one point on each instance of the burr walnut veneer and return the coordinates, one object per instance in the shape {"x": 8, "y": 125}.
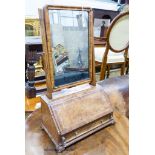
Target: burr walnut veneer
{"x": 113, "y": 140}
{"x": 69, "y": 118}
{"x": 72, "y": 111}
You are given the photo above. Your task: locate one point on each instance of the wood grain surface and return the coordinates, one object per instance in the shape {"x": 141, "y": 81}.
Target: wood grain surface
{"x": 112, "y": 140}
{"x": 78, "y": 109}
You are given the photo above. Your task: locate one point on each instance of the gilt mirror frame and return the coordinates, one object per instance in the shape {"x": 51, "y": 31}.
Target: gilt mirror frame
{"x": 47, "y": 48}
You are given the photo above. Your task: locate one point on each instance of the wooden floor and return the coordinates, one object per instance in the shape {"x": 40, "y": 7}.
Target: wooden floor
{"x": 30, "y": 104}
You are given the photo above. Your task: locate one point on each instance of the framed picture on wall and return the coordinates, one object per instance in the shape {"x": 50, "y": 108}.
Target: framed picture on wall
{"x": 100, "y": 27}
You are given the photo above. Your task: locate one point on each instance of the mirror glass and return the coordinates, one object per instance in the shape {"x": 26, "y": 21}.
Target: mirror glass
{"x": 70, "y": 45}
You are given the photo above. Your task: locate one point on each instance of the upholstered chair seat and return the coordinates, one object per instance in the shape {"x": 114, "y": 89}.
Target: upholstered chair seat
{"x": 111, "y": 58}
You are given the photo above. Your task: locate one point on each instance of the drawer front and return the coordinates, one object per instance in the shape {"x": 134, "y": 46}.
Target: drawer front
{"x": 85, "y": 129}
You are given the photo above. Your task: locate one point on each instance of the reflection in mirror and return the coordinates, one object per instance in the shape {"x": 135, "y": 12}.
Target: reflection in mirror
{"x": 70, "y": 42}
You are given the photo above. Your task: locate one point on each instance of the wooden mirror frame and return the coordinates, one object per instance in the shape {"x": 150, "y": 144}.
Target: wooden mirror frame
{"x": 47, "y": 48}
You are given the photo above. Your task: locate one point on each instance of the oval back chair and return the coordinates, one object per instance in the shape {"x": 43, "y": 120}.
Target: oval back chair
{"x": 117, "y": 41}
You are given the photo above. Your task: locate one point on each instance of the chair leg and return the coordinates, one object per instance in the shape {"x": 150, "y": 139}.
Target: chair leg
{"x": 104, "y": 64}
{"x": 103, "y": 72}
{"x": 127, "y": 70}
{"x": 108, "y": 71}
{"x": 123, "y": 69}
